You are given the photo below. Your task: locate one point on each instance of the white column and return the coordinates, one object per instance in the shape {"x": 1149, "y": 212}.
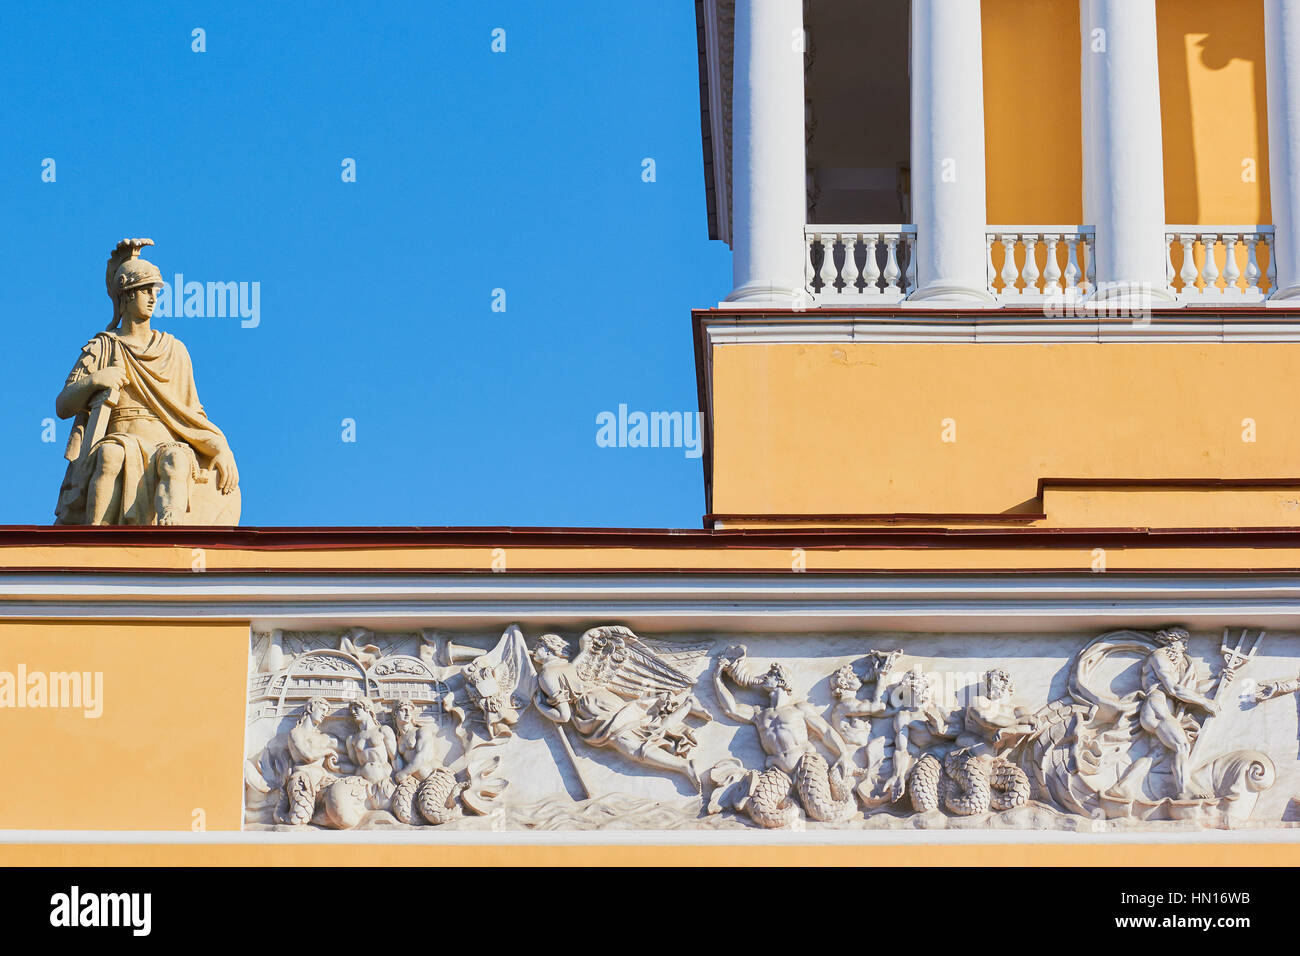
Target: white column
{"x": 1123, "y": 162}
{"x": 769, "y": 205}
{"x": 948, "y": 154}
{"x": 1282, "y": 52}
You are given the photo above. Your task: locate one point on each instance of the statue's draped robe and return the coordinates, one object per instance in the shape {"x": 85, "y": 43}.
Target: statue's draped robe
{"x": 599, "y": 714}
{"x": 162, "y": 381}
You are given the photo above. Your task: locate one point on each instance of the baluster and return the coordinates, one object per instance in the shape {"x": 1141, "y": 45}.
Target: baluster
{"x": 1052, "y": 268}
{"x": 891, "y": 264}
{"x": 871, "y": 268}
{"x": 810, "y": 260}
{"x": 827, "y": 272}
{"x": 1211, "y": 271}
{"x": 910, "y": 241}
{"x": 1231, "y": 271}
{"x": 850, "y": 273}
{"x": 1072, "y": 263}
{"x": 1090, "y": 249}
{"x": 1030, "y": 272}
{"x": 990, "y": 273}
{"x": 1009, "y": 271}
{"x": 1169, "y": 261}
{"x": 1252, "y": 263}
{"x": 1272, "y": 262}
{"x": 1188, "y": 272}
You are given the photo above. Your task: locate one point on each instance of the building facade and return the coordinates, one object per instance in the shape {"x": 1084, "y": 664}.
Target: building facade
{"x": 1000, "y": 557}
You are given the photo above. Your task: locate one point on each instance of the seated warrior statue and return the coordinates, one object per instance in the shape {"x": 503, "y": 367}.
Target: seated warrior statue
{"x": 142, "y": 450}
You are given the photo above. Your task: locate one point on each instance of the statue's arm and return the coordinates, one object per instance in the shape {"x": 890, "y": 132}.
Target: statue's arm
{"x": 1186, "y": 692}
{"x": 558, "y": 712}
{"x": 823, "y": 731}
{"x": 730, "y": 706}
{"x": 80, "y": 385}
{"x": 390, "y": 742}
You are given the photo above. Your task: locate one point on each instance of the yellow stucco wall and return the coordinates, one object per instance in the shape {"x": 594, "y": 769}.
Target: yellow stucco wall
{"x": 1032, "y": 135}
{"x": 169, "y": 740}
{"x": 1213, "y": 111}
{"x": 860, "y": 428}
{"x": 1212, "y": 101}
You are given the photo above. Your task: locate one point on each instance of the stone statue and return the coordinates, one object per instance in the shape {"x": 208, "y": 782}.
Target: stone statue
{"x": 618, "y": 693}
{"x": 142, "y": 451}
{"x": 786, "y": 726}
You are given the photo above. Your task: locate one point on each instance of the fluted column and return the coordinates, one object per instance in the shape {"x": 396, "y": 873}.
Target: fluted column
{"x": 1282, "y": 52}
{"x": 1123, "y": 169}
{"x": 948, "y": 154}
{"x": 767, "y": 166}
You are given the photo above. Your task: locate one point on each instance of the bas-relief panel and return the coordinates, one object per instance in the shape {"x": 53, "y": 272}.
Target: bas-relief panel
{"x": 607, "y": 729}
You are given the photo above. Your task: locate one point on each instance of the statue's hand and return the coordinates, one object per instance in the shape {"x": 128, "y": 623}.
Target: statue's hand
{"x": 112, "y": 377}
{"x": 227, "y": 473}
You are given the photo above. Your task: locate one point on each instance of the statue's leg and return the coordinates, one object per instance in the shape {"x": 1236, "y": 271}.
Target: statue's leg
{"x": 655, "y": 756}
{"x": 105, "y": 495}
{"x": 1172, "y": 735}
{"x": 172, "y": 497}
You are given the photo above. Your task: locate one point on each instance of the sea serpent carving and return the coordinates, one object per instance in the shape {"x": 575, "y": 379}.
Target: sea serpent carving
{"x": 825, "y": 792}
{"x": 966, "y": 784}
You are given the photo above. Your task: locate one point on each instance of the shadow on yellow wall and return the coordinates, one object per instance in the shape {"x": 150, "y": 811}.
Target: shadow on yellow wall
{"x": 1213, "y": 112}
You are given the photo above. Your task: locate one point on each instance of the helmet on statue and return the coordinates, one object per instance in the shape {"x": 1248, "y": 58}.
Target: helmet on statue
{"x": 126, "y": 271}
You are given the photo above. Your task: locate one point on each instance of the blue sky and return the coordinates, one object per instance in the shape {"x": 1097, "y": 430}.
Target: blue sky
{"x": 475, "y": 171}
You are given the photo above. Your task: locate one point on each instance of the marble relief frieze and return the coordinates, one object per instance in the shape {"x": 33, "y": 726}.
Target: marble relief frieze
{"x": 1129, "y": 729}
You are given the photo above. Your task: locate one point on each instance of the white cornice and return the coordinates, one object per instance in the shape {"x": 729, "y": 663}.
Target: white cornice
{"x": 986, "y": 328}
{"x": 750, "y": 603}
{"x": 741, "y": 836}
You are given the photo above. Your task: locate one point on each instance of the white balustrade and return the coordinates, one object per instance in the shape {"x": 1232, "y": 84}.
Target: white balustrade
{"x": 860, "y": 264}
{"x": 876, "y": 264}
{"x": 1219, "y": 264}
{"x": 1039, "y": 262}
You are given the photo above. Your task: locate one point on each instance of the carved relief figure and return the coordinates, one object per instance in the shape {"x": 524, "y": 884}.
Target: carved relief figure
{"x": 919, "y": 725}
{"x": 786, "y": 729}
{"x": 425, "y": 789}
{"x": 974, "y": 777}
{"x": 501, "y": 682}
{"x": 1169, "y": 677}
{"x": 1117, "y": 751}
{"x": 142, "y": 451}
{"x": 314, "y": 754}
{"x": 618, "y": 693}
{"x": 1145, "y": 732}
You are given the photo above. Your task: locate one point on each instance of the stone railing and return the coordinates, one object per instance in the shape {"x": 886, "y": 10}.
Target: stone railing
{"x": 1231, "y": 271}
{"x": 1027, "y": 262}
{"x": 875, "y": 263}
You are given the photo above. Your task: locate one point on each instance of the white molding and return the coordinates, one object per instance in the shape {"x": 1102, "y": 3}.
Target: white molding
{"x": 741, "y": 836}
{"x": 976, "y": 329}
{"x": 757, "y": 603}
